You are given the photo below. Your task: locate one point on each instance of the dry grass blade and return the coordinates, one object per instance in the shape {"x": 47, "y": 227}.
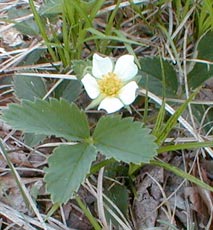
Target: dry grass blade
{"x": 54, "y": 76}
{"x": 26, "y": 222}
{"x": 100, "y": 200}
{"x": 22, "y": 187}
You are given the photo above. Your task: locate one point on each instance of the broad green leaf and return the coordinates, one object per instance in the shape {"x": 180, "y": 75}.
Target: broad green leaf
{"x": 56, "y": 117}
{"x": 115, "y": 169}
{"x": 199, "y": 111}
{"x": 29, "y": 87}
{"x": 81, "y": 67}
{"x": 201, "y": 71}
{"x": 97, "y": 166}
{"x": 27, "y": 27}
{"x": 68, "y": 167}
{"x": 152, "y": 70}
{"x": 69, "y": 90}
{"x": 124, "y": 140}
{"x": 55, "y": 7}
{"x": 51, "y": 7}
{"x": 118, "y": 194}
{"x": 33, "y": 57}
{"x": 32, "y": 139}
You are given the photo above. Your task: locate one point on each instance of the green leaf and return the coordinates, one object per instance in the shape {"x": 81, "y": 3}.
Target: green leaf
{"x": 33, "y": 57}
{"x": 118, "y": 194}
{"x": 201, "y": 72}
{"x": 32, "y": 139}
{"x": 152, "y": 69}
{"x": 69, "y": 90}
{"x": 51, "y": 7}
{"x": 28, "y": 27}
{"x": 81, "y": 67}
{"x": 97, "y": 166}
{"x": 124, "y": 140}
{"x": 68, "y": 167}
{"x": 199, "y": 111}
{"x": 29, "y": 87}
{"x": 56, "y": 117}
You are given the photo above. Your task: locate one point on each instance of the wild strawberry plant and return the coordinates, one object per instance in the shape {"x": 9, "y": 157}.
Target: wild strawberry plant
{"x": 113, "y": 136}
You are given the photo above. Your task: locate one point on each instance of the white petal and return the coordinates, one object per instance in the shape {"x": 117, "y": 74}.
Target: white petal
{"x": 125, "y": 67}
{"x": 101, "y": 66}
{"x": 91, "y": 86}
{"x": 128, "y": 93}
{"x": 111, "y": 104}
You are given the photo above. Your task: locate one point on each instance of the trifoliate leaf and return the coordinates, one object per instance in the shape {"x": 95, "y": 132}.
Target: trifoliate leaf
{"x": 56, "y": 117}
{"x": 124, "y": 139}
{"x": 68, "y": 167}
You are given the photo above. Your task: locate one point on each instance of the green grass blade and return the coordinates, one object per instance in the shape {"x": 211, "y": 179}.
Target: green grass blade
{"x": 98, "y": 35}
{"x": 159, "y": 120}
{"x": 42, "y": 29}
{"x": 190, "y": 145}
{"x": 182, "y": 174}
{"x": 88, "y": 214}
{"x": 109, "y": 28}
{"x": 96, "y": 7}
{"x": 55, "y": 207}
{"x": 173, "y": 121}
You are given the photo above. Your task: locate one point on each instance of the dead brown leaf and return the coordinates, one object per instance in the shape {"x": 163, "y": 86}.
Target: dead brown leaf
{"x": 148, "y": 197}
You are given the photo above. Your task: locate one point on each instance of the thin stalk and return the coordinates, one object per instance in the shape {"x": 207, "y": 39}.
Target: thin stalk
{"x": 88, "y": 214}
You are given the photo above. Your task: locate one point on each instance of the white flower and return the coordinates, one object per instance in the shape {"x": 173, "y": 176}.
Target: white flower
{"x": 110, "y": 85}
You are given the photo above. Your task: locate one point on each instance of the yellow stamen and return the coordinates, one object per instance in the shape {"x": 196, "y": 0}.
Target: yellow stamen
{"x": 110, "y": 85}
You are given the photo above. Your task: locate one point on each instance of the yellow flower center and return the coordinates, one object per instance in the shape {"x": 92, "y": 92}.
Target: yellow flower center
{"x": 110, "y": 85}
